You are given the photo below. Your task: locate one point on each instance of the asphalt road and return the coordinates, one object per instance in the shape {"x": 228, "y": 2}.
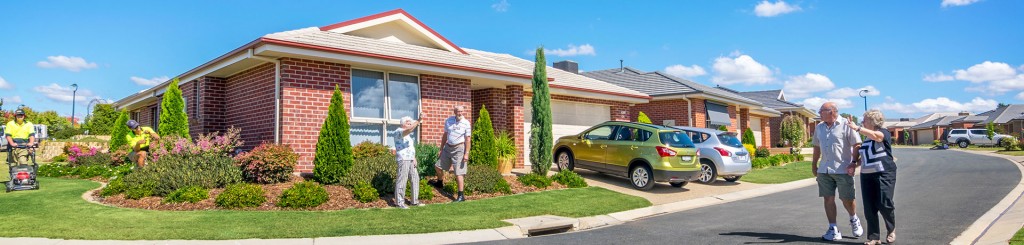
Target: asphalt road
{"x": 938, "y": 195}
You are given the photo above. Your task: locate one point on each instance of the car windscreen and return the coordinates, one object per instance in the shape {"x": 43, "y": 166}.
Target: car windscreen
{"x": 676, "y": 139}
{"x": 730, "y": 139}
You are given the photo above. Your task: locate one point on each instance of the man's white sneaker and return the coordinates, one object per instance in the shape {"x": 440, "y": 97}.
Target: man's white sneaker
{"x": 857, "y": 230}
{"x": 832, "y": 234}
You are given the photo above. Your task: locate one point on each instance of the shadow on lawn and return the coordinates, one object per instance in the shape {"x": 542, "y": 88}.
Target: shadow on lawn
{"x": 784, "y": 238}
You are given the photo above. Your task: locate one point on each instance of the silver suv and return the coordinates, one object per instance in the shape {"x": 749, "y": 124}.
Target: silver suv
{"x": 721, "y": 154}
{"x": 966, "y": 137}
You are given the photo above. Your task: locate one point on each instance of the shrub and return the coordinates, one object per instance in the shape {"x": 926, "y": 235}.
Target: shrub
{"x": 535, "y": 180}
{"x": 364, "y": 192}
{"x": 482, "y": 150}
{"x": 484, "y": 179}
{"x": 177, "y": 171}
{"x": 60, "y": 158}
{"x": 505, "y": 146}
{"x": 118, "y": 137}
{"x": 570, "y": 179}
{"x": 451, "y": 186}
{"x": 1009, "y": 143}
{"x": 141, "y": 189}
{"x": 775, "y": 160}
{"x": 799, "y": 157}
{"x": 114, "y": 187}
{"x": 303, "y": 195}
{"x": 64, "y": 132}
{"x": 426, "y": 156}
{"x": 541, "y": 136}
{"x": 333, "y": 157}
{"x": 792, "y": 130}
{"x": 760, "y": 163}
{"x": 173, "y": 121}
{"x": 74, "y": 152}
{"x": 82, "y": 172}
{"x": 748, "y": 137}
{"x": 379, "y": 172}
{"x": 267, "y": 163}
{"x": 97, "y": 159}
{"x": 205, "y": 144}
{"x": 191, "y": 194}
{"x": 642, "y": 118}
{"x": 368, "y": 149}
{"x": 762, "y": 152}
{"x": 425, "y": 190}
{"x": 750, "y": 149}
{"x": 241, "y": 196}
{"x": 102, "y": 119}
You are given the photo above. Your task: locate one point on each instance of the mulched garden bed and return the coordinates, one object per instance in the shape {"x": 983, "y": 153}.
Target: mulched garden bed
{"x": 339, "y": 198}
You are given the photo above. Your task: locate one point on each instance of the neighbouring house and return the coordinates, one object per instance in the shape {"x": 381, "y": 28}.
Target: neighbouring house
{"x": 897, "y": 126}
{"x": 1005, "y": 119}
{"x": 680, "y": 102}
{"x": 927, "y": 132}
{"x": 277, "y": 88}
{"x": 776, "y": 99}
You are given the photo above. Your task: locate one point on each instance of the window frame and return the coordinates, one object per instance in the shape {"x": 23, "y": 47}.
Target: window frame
{"x": 386, "y": 120}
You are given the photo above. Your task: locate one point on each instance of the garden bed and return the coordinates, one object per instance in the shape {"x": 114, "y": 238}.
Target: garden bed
{"x": 340, "y": 198}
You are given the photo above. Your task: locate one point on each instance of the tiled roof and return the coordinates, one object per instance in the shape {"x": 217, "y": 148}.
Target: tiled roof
{"x": 770, "y": 98}
{"x": 660, "y": 84}
{"x": 941, "y": 122}
{"x": 561, "y": 77}
{"x": 1005, "y": 114}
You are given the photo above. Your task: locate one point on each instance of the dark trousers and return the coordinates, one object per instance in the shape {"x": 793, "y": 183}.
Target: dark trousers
{"x": 877, "y": 190}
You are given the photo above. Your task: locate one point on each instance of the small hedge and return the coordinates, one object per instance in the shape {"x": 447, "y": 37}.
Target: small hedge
{"x": 191, "y": 194}
{"x": 140, "y": 189}
{"x": 368, "y": 149}
{"x": 1009, "y": 144}
{"x": 485, "y": 179}
{"x": 535, "y": 180}
{"x": 268, "y": 164}
{"x": 241, "y": 196}
{"x": 99, "y": 159}
{"x": 775, "y": 160}
{"x": 760, "y": 163}
{"x": 172, "y": 172}
{"x": 377, "y": 171}
{"x": 364, "y": 192}
{"x": 114, "y": 187}
{"x": 750, "y": 149}
{"x": 570, "y": 179}
{"x": 303, "y": 195}
{"x": 426, "y": 192}
{"x": 427, "y": 155}
{"x": 762, "y": 152}
{"x": 82, "y": 172}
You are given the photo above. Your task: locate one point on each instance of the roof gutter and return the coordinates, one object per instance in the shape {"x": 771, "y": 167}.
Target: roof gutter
{"x": 277, "y": 92}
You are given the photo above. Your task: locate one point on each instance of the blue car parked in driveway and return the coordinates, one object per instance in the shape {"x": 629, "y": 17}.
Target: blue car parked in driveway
{"x": 721, "y": 154}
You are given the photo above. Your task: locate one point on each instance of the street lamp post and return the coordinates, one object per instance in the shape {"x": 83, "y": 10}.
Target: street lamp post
{"x": 73, "y": 94}
{"x": 862, "y": 95}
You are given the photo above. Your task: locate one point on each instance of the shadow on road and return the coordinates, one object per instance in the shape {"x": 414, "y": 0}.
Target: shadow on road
{"x": 659, "y": 188}
{"x": 783, "y": 238}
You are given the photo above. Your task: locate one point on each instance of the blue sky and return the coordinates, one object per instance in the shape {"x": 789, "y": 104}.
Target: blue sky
{"x": 916, "y": 57}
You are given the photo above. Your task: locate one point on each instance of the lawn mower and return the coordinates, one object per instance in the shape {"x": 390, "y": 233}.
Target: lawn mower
{"x": 23, "y": 176}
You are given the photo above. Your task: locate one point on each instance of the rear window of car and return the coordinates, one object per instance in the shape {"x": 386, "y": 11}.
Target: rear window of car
{"x": 978, "y": 131}
{"x": 676, "y": 139}
{"x": 730, "y": 139}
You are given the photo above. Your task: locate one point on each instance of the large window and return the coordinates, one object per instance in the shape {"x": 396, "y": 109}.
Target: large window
{"x": 379, "y": 101}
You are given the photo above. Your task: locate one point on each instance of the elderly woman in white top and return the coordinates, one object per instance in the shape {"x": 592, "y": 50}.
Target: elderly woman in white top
{"x": 405, "y": 155}
{"x": 877, "y": 175}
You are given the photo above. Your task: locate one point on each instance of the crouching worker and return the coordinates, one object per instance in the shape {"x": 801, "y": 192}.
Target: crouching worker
{"x": 139, "y": 139}
{"x": 20, "y": 132}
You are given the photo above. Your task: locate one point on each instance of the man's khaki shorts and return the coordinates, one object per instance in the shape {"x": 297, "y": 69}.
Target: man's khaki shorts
{"x": 828, "y": 183}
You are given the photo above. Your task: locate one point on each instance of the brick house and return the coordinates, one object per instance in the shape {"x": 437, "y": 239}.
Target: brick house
{"x": 680, "y": 102}
{"x": 776, "y": 99}
{"x": 277, "y": 88}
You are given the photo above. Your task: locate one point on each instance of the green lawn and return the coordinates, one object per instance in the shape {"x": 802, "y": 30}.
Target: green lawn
{"x": 977, "y": 148}
{"x": 774, "y": 175}
{"x": 1018, "y": 239}
{"x": 58, "y": 211}
{"x": 1011, "y": 153}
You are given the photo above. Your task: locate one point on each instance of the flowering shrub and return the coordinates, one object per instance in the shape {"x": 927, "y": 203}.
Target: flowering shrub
{"x": 206, "y": 143}
{"x": 74, "y": 152}
{"x": 268, "y": 163}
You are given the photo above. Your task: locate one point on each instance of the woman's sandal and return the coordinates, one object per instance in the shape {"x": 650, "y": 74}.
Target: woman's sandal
{"x": 873, "y": 242}
{"x": 891, "y": 238}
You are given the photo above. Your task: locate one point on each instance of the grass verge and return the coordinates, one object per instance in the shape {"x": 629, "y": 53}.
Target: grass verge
{"x": 1011, "y": 153}
{"x": 1018, "y": 239}
{"x": 58, "y": 211}
{"x": 782, "y": 174}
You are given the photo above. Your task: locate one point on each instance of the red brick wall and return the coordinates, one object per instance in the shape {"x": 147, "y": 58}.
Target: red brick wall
{"x": 146, "y": 115}
{"x": 733, "y": 118}
{"x": 439, "y": 95}
{"x": 210, "y": 116}
{"x": 250, "y": 104}
{"x": 517, "y": 117}
{"x": 766, "y": 132}
{"x": 661, "y": 110}
{"x": 700, "y": 114}
{"x": 306, "y": 90}
{"x": 494, "y": 99}
{"x": 744, "y": 119}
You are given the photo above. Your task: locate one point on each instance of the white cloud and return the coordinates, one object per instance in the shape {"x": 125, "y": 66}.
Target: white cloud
{"x": 847, "y": 92}
{"x": 12, "y": 100}
{"x": 986, "y": 71}
{"x": 149, "y": 82}
{"x": 685, "y": 71}
{"x": 767, "y": 9}
{"x": 956, "y": 3}
{"x": 740, "y": 69}
{"x": 59, "y": 93}
{"x": 573, "y": 50}
{"x": 4, "y": 85}
{"x": 1020, "y": 96}
{"x": 501, "y": 6}
{"x": 938, "y": 77}
{"x": 803, "y": 86}
{"x": 1001, "y": 86}
{"x": 814, "y": 103}
{"x": 72, "y": 63}
{"x": 940, "y": 104}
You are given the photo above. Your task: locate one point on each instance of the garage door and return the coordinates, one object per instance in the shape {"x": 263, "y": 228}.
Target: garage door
{"x": 925, "y": 137}
{"x": 755, "y": 125}
{"x": 567, "y": 118}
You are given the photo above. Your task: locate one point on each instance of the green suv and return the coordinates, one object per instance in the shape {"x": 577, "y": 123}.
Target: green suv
{"x": 643, "y": 153}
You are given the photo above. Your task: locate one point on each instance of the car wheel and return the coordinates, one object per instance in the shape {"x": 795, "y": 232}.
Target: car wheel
{"x": 641, "y": 177}
{"x": 679, "y": 184}
{"x": 962, "y": 143}
{"x": 565, "y": 161}
{"x": 708, "y": 173}
{"x": 733, "y": 178}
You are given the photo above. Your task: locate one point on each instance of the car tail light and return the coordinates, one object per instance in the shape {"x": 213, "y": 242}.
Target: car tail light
{"x": 721, "y": 151}
{"x": 665, "y": 151}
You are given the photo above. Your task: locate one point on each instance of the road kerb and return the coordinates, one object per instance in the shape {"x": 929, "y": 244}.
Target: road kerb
{"x": 1000, "y": 223}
